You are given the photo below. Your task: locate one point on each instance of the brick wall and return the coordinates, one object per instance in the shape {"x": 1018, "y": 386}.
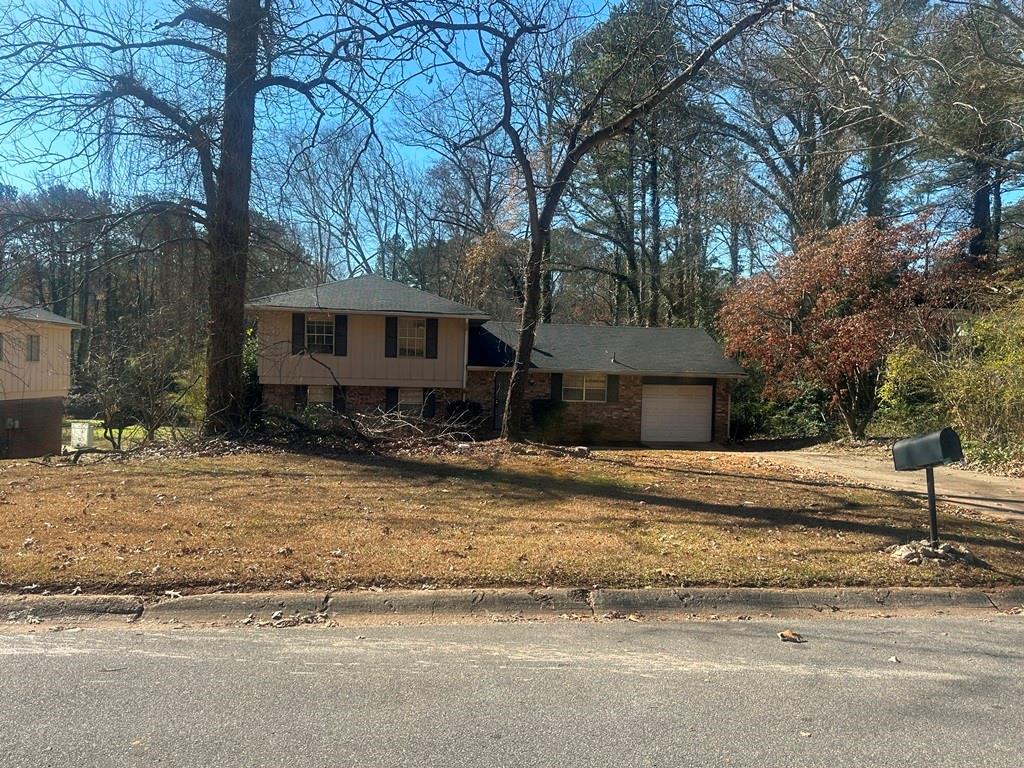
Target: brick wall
{"x": 723, "y": 394}
{"x": 597, "y": 423}
{"x": 39, "y": 427}
{"x": 357, "y": 399}
{"x": 617, "y": 422}
{"x": 279, "y": 396}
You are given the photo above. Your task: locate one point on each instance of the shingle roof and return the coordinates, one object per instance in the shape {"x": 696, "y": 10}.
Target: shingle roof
{"x": 13, "y": 307}
{"x": 368, "y": 293}
{"x": 605, "y": 349}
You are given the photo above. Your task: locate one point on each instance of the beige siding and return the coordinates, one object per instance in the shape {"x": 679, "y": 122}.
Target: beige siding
{"x": 365, "y": 364}
{"x": 50, "y": 376}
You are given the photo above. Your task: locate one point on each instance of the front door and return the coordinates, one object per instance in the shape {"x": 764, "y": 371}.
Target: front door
{"x": 500, "y": 396}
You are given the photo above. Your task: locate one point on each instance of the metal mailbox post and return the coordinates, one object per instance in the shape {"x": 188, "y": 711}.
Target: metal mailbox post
{"x": 927, "y": 452}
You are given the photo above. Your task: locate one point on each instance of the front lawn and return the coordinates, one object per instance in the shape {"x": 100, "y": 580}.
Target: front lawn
{"x": 619, "y": 518}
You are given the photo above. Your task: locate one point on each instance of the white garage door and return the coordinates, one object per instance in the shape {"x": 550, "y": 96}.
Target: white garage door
{"x": 676, "y": 413}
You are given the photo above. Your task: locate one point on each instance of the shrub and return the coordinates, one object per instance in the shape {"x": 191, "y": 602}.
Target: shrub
{"x": 548, "y": 418}
{"x": 753, "y": 415}
{"x": 828, "y": 315}
{"x": 975, "y": 383}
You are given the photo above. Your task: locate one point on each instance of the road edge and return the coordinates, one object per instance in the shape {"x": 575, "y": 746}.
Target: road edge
{"x": 292, "y": 608}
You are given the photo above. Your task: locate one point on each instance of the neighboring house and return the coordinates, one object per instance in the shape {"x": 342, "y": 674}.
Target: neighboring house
{"x": 368, "y": 343}
{"x": 35, "y": 375}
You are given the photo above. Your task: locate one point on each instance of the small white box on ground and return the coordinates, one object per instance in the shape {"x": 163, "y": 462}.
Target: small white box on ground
{"x": 81, "y": 434}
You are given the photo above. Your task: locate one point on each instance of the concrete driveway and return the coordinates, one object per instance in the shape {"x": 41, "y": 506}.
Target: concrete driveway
{"x": 1001, "y": 497}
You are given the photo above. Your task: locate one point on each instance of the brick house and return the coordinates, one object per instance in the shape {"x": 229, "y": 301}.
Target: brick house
{"x": 35, "y": 375}
{"x": 367, "y": 343}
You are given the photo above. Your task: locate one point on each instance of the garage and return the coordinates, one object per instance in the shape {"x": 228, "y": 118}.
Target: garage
{"x": 676, "y": 413}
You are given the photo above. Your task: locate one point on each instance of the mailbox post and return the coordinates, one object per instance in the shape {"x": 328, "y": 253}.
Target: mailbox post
{"x": 927, "y": 452}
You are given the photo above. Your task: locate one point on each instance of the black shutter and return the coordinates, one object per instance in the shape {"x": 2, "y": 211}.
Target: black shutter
{"x": 391, "y": 398}
{"x": 298, "y": 332}
{"x": 390, "y": 337}
{"x": 301, "y": 395}
{"x": 340, "y": 335}
{"x": 339, "y": 399}
{"x": 429, "y": 403}
{"x": 556, "y": 386}
{"x": 431, "y": 350}
{"x": 613, "y": 389}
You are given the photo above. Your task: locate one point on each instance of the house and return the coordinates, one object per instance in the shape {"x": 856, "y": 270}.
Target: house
{"x": 367, "y": 343}
{"x": 35, "y": 375}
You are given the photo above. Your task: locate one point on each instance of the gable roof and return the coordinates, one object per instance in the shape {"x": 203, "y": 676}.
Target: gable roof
{"x": 605, "y": 349}
{"x": 15, "y": 308}
{"x": 369, "y": 294}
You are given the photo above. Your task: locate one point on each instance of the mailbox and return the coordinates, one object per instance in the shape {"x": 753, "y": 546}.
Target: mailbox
{"x": 934, "y": 450}
{"x": 927, "y": 452}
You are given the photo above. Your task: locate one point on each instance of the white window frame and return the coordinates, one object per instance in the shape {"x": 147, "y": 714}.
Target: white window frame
{"x": 412, "y": 337}
{"x": 410, "y": 400}
{"x": 585, "y": 387}
{"x": 33, "y": 347}
{"x": 320, "y": 394}
{"x": 319, "y": 339}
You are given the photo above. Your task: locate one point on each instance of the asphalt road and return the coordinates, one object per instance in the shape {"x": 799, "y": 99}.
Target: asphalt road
{"x": 539, "y": 694}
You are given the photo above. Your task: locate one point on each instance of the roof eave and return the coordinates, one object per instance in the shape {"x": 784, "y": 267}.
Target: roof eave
{"x": 340, "y": 310}
{"x": 618, "y": 371}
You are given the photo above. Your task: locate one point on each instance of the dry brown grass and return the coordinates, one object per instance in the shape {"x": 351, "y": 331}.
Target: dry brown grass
{"x": 621, "y": 518}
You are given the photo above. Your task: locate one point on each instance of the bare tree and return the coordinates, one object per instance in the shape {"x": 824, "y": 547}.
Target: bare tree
{"x": 182, "y": 102}
{"x": 508, "y": 37}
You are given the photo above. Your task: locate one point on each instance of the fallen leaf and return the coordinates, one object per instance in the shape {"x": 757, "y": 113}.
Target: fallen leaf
{"x": 789, "y": 636}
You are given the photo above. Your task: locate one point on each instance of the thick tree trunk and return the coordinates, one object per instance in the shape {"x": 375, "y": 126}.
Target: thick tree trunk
{"x": 979, "y": 249}
{"x": 512, "y": 424}
{"x": 229, "y": 224}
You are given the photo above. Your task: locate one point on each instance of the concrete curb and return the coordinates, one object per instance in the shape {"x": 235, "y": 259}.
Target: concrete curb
{"x": 286, "y": 608}
{"x": 69, "y": 607}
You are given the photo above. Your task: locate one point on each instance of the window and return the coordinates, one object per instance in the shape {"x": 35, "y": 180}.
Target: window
{"x": 590, "y": 387}
{"x": 32, "y": 350}
{"x": 320, "y": 334}
{"x": 412, "y": 337}
{"x": 319, "y": 395}
{"x": 410, "y": 400}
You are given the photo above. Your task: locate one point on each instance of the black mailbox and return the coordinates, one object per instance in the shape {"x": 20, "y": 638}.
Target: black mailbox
{"x": 927, "y": 452}
{"x": 924, "y": 451}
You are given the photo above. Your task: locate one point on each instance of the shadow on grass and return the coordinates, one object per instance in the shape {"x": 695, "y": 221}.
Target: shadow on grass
{"x": 833, "y": 511}
{"x": 839, "y": 516}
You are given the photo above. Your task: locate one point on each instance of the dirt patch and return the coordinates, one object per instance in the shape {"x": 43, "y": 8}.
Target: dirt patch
{"x": 477, "y": 518}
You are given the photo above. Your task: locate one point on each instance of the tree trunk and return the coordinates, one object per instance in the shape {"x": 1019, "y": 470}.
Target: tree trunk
{"x": 547, "y": 302}
{"x": 734, "y": 252}
{"x": 858, "y": 401}
{"x": 979, "y": 249}
{"x": 654, "y": 246}
{"x": 512, "y": 425}
{"x": 229, "y": 225}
